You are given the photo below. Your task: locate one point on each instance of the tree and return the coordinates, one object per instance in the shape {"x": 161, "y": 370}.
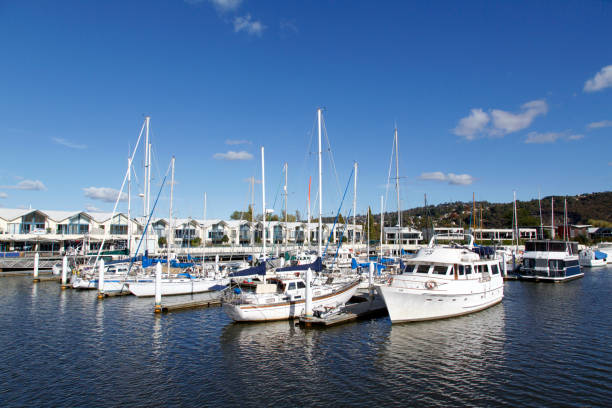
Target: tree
{"x": 225, "y": 239}
{"x": 373, "y": 232}
{"x": 196, "y": 242}
{"x": 290, "y": 217}
{"x": 243, "y": 215}
{"x": 161, "y": 242}
{"x": 340, "y": 219}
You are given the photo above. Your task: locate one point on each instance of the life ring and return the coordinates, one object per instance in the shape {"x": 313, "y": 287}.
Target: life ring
{"x": 431, "y": 284}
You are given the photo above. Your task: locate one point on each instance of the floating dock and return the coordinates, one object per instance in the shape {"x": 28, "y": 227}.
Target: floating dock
{"x": 190, "y": 305}
{"x": 364, "y": 308}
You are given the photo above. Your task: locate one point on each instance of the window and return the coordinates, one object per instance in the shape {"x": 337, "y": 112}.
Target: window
{"x": 468, "y": 269}
{"x": 291, "y": 286}
{"x": 440, "y": 269}
{"x": 422, "y": 269}
{"x": 461, "y": 270}
{"x": 117, "y": 229}
{"x": 301, "y": 285}
{"x": 573, "y": 262}
{"x": 494, "y": 269}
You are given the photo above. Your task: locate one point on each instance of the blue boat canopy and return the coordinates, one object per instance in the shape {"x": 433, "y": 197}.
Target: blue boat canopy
{"x": 600, "y": 255}
{"x": 316, "y": 266}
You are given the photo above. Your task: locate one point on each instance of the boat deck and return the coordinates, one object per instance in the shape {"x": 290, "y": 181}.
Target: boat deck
{"x": 363, "y": 309}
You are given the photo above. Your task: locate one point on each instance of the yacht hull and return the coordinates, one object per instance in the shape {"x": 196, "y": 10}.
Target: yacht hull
{"x": 182, "y": 287}
{"x": 405, "y": 305}
{"x": 287, "y": 310}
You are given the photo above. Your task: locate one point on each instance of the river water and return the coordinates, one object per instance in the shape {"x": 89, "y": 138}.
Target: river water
{"x": 544, "y": 345}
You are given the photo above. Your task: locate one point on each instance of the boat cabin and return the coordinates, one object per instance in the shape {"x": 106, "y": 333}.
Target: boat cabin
{"x": 456, "y": 271}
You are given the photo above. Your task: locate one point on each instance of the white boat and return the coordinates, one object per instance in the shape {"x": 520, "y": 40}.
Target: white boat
{"x": 282, "y": 299}
{"x": 176, "y": 285}
{"x": 592, "y": 258}
{"x": 550, "y": 261}
{"x": 443, "y": 281}
{"x": 342, "y": 259}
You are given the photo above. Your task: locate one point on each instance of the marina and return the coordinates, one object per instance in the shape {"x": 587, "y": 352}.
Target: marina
{"x": 237, "y": 203}
{"x": 200, "y": 357}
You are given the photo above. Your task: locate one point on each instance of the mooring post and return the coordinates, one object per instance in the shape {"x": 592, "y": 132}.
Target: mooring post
{"x": 370, "y": 278}
{"x": 101, "y": 279}
{"x": 36, "y": 260}
{"x": 308, "y": 309}
{"x": 64, "y": 272}
{"x": 158, "y": 295}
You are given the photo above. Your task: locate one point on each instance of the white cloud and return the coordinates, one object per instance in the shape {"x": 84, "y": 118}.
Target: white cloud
{"x": 460, "y": 179}
{"x": 451, "y": 178}
{"x": 436, "y": 175}
{"x": 225, "y": 5}
{"x": 3, "y": 195}
{"x": 106, "y": 194}
{"x": 288, "y": 26}
{"x": 473, "y": 124}
{"x": 498, "y": 122}
{"x": 236, "y": 142}
{"x": 507, "y": 122}
{"x": 231, "y": 155}
{"x": 551, "y": 137}
{"x": 68, "y": 143}
{"x": 92, "y": 208}
{"x": 601, "y": 80}
{"x": 30, "y": 185}
{"x": 600, "y": 124}
{"x": 248, "y": 25}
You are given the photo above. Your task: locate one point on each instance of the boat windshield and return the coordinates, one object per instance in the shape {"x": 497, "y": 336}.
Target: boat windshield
{"x": 421, "y": 269}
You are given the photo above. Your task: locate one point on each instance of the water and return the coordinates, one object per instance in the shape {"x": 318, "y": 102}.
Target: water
{"x": 545, "y": 345}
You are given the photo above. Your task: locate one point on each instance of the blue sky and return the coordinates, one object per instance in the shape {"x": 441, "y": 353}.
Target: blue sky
{"x": 489, "y": 97}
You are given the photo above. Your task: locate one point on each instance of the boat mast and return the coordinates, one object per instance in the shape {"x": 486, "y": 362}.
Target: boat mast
{"x": 399, "y": 209}
{"x": 263, "y": 203}
{"x": 129, "y": 207}
{"x": 308, "y": 212}
{"x": 170, "y": 228}
{"x": 204, "y": 233}
{"x": 552, "y": 216}
{"x": 145, "y": 206}
{"x": 286, "y": 229}
{"x": 320, "y": 234}
{"x": 565, "y": 227}
{"x": 368, "y": 221}
{"x": 382, "y": 227}
{"x": 540, "y": 206}
{"x": 354, "y": 204}
{"x": 515, "y": 224}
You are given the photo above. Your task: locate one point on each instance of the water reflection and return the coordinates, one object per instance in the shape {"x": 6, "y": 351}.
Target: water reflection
{"x": 451, "y": 359}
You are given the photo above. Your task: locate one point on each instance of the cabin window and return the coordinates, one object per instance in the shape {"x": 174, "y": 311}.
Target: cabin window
{"x": 573, "y": 262}
{"x": 461, "y": 270}
{"x": 468, "y": 269}
{"x": 422, "y": 269}
{"x": 494, "y": 269}
{"x": 301, "y": 285}
{"x": 440, "y": 269}
{"x": 291, "y": 286}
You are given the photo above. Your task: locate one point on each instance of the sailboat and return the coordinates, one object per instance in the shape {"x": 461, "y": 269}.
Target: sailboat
{"x": 182, "y": 283}
{"x": 279, "y": 298}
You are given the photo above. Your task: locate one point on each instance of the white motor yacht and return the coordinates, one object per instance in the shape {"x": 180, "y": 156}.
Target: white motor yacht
{"x": 444, "y": 281}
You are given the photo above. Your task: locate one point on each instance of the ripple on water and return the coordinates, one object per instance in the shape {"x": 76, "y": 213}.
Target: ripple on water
{"x": 544, "y": 345}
